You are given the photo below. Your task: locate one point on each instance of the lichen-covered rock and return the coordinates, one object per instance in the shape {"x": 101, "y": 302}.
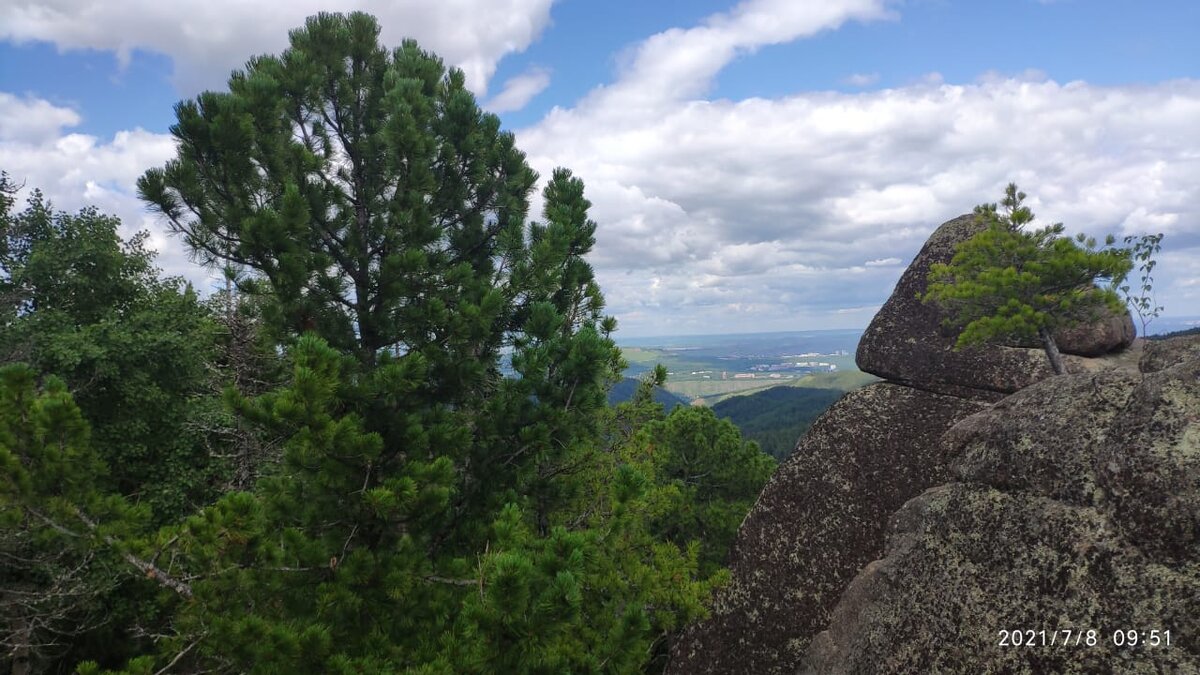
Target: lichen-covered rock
{"x": 1078, "y": 507}
{"x": 966, "y": 563}
{"x": 906, "y": 341}
{"x": 1149, "y": 466}
{"x": 821, "y": 517}
{"x": 1162, "y": 354}
{"x": 1125, "y": 443}
{"x": 1047, "y": 438}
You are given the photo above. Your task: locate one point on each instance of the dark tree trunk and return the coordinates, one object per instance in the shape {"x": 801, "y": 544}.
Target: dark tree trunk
{"x": 1056, "y": 360}
{"x": 22, "y": 659}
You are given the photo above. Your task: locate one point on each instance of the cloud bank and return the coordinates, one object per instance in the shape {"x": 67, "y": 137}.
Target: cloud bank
{"x": 207, "y": 39}
{"x": 75, "y": 170}
{"x": 797, "y": 212}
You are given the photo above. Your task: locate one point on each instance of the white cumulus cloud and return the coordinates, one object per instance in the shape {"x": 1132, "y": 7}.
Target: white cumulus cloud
{"x": 32, "y": 119}
{"x": 770, "y": 206}
{"x": 76, "y": 170}
{"x": 206, "y": 39}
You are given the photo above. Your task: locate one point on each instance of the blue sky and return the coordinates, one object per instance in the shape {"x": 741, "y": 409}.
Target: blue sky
{"x": 764, "y": 165}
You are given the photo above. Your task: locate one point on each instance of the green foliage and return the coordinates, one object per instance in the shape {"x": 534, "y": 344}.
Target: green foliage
{"x": 623, "y": 391}
{"x": 342, "y": 561}
{"x": 143, "y": 360}
{"x": 325, "y": 562}
{"x": 57, "y": 571}
{"x": 776, "y": 418}
{"x": 586, "y": 599}
{"x": 44, "y": 443}
{"x": 1142, "y": 250}
{"x": 423, "y": 512}
{"x": 84, "y": 305}
{"x": 1010, "y": 284}
{"x": 716, "y": 473}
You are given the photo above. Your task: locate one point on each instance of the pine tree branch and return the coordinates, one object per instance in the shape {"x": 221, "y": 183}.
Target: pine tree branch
{"x": 179, "y": 656}
{"x": 151, "y": 570}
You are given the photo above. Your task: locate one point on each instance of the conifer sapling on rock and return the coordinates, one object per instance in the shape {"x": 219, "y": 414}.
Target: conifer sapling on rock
{"x": 1010, "y": 283}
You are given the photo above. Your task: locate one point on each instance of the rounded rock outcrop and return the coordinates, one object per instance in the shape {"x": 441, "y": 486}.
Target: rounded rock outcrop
{"x": 818, "y": 520}
{"x": 970, "y": 566}
{"x": 906, "y": 340}
{"x": 973, "y": 492}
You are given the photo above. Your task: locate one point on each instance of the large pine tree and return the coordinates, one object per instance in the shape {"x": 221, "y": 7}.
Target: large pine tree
{"x": 451, "y": 495}
{"x": 433, "y": 480}
{"x": 367, "y": 189}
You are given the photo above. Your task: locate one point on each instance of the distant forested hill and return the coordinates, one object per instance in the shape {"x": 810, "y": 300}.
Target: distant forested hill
{"x": 1174, "y": 334}
{"x": 623, "y": 391}
{"x": 778, "y": 416}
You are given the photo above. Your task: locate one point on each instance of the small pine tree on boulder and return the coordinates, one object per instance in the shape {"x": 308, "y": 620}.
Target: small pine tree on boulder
{"x": 1012, "y": 283}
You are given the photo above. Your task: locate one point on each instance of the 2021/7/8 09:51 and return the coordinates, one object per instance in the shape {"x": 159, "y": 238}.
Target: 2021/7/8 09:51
{"x": 1068, "y": 637}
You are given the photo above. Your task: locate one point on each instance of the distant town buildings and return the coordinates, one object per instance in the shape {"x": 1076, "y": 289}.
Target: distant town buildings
{"x": 809, "y": 365}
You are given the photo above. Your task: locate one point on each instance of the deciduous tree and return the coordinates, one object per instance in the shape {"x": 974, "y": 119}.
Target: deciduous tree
{"x": 1141, "y": 299}
{"x": 90, "y": 307}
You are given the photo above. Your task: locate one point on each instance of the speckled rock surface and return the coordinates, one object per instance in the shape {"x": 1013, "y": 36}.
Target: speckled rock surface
{"x": 1046, "y": 438}
{"x": 822, "y": 516}
{"x": 907, "y": 343}
{"x": 966, "y": 562}
{"x": 1161, "y": 354}
{"x": 1077, "y": 506}
{"x": 1149, "y": 468}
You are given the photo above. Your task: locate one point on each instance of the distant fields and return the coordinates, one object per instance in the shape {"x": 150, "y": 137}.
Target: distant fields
{"x": 705, "y": 370}
{"x": 641, "y": 356}
{"x": 710, "y": 392}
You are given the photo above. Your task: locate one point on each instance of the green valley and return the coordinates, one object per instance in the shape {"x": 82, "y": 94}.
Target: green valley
{"x": 707, "y": 369}
{"x": 770, "y": 385}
